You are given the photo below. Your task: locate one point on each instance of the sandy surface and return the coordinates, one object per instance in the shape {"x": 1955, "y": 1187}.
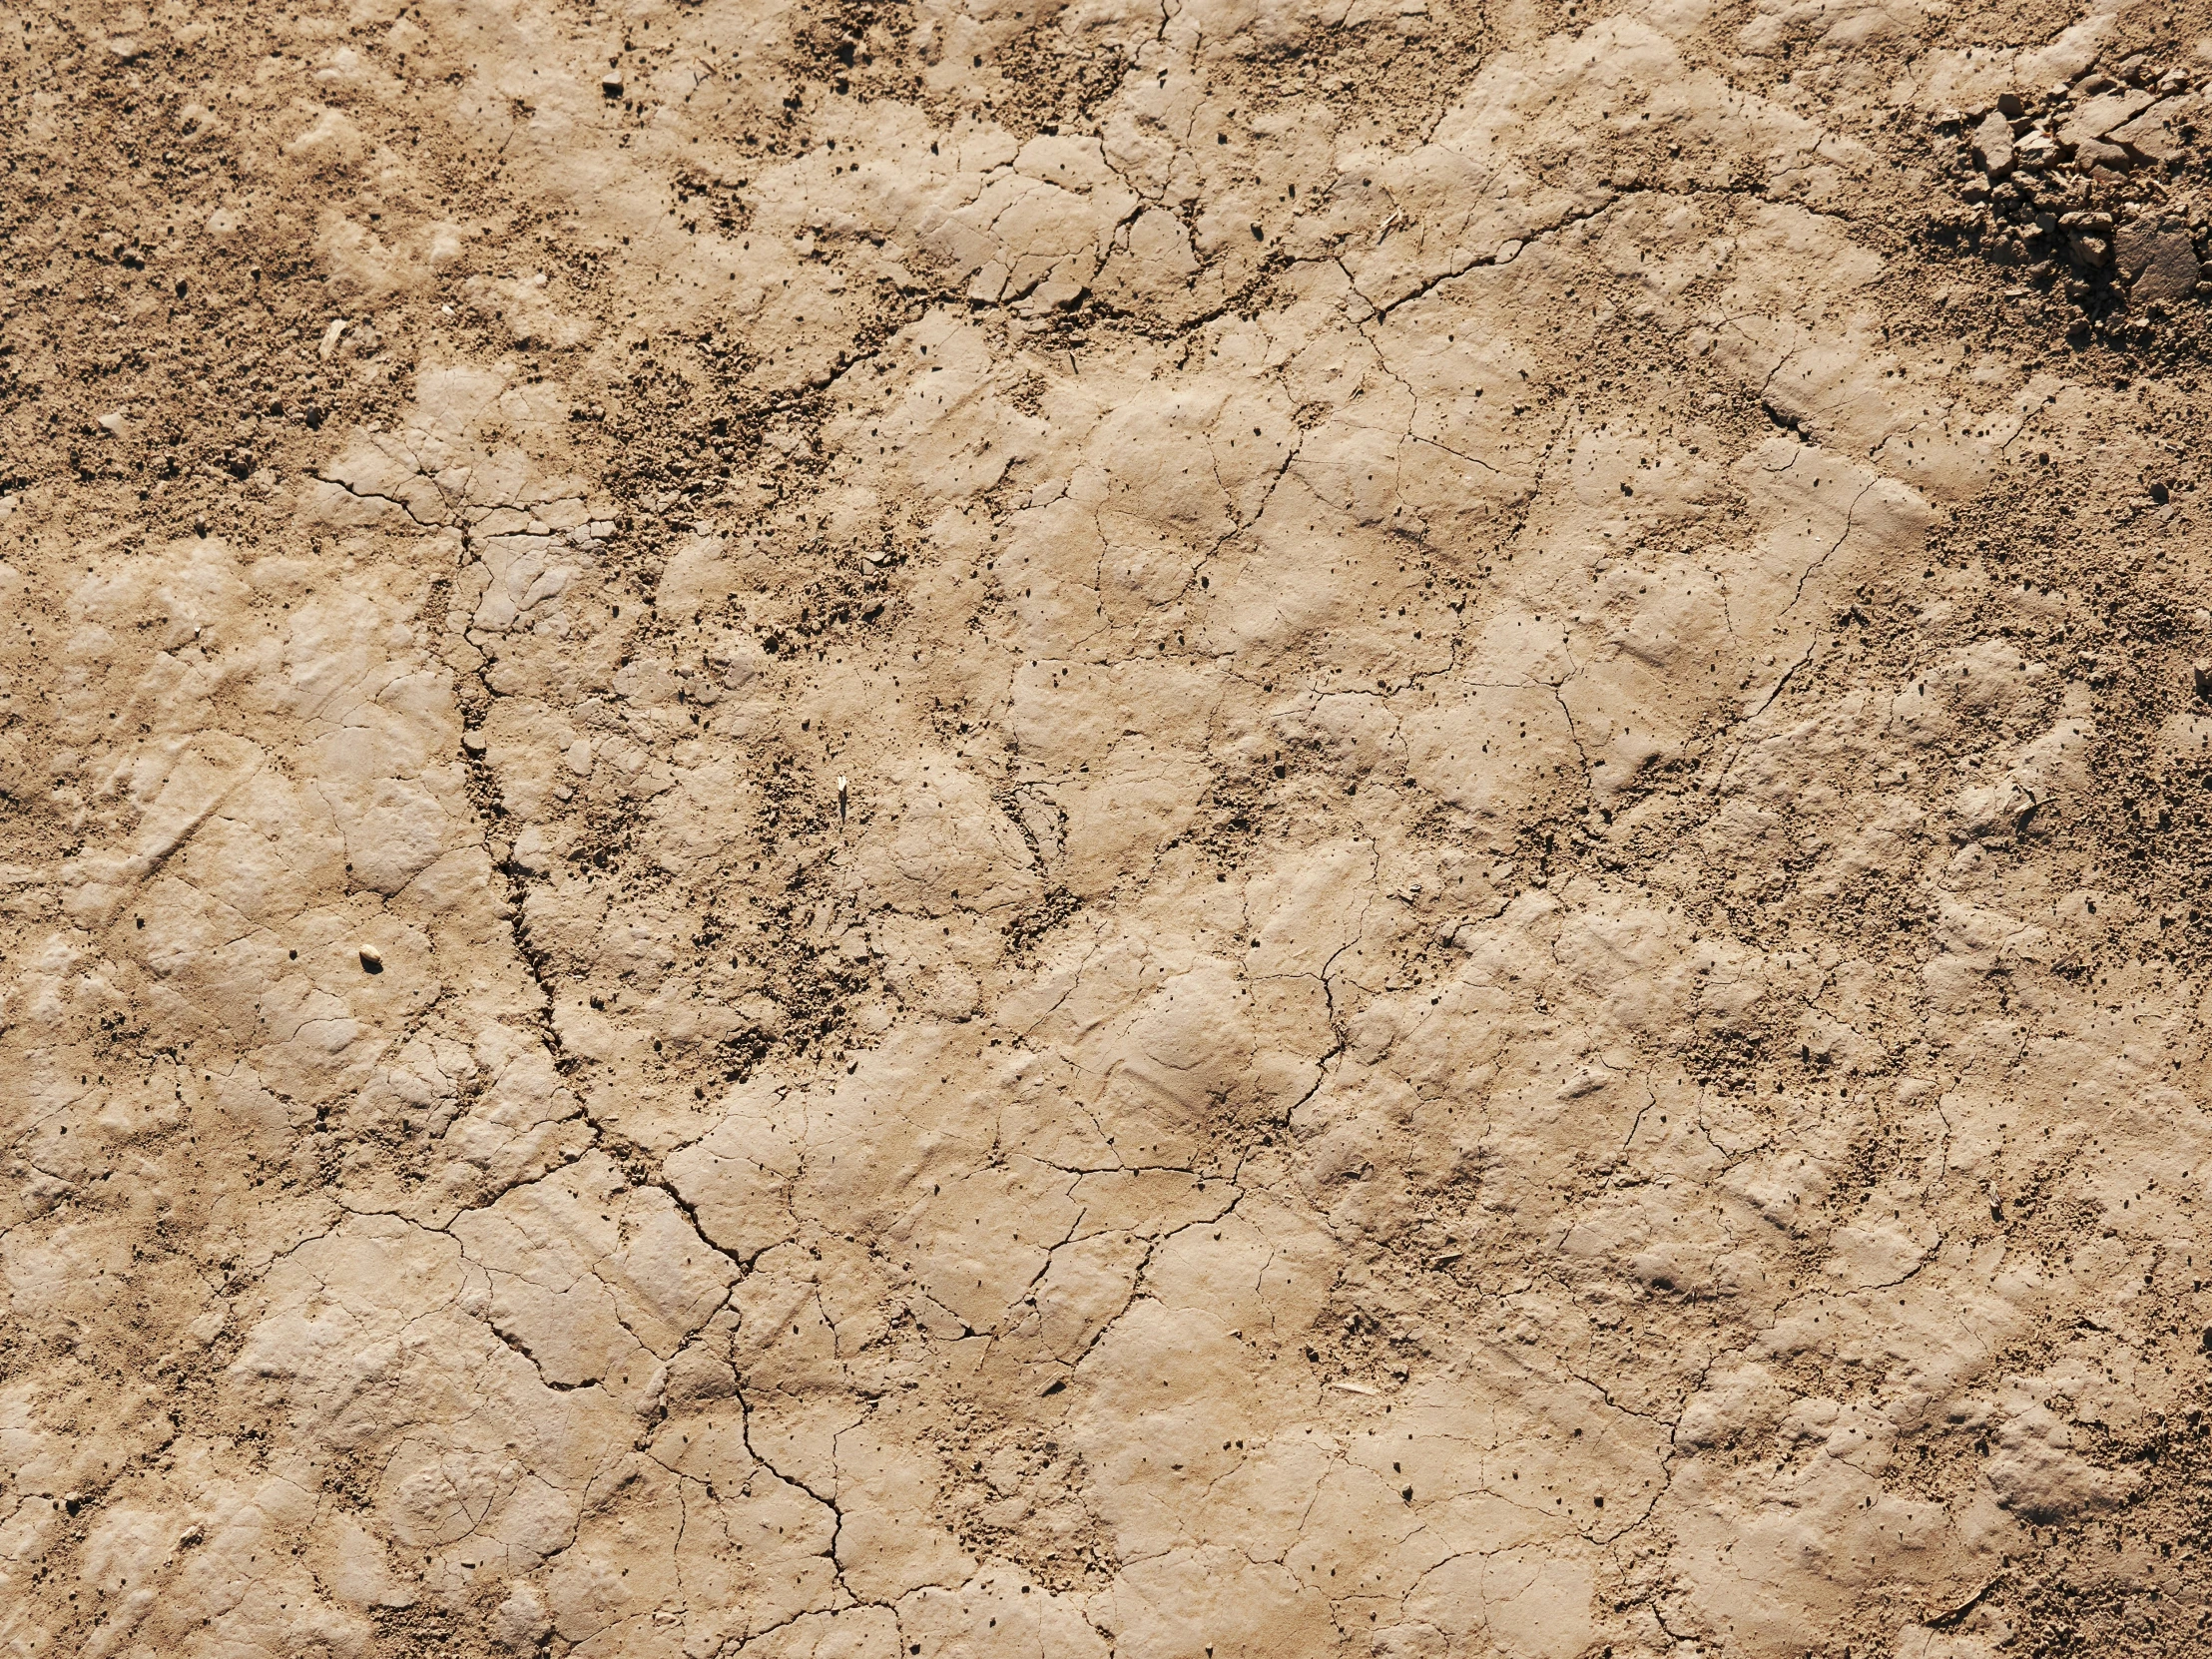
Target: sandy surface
{"x": 1241, "y": 827}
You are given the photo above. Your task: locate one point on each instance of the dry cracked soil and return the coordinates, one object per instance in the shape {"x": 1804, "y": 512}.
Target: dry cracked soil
{"x": 1132, "y": 828}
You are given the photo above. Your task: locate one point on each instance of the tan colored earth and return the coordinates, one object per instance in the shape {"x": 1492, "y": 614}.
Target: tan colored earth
{"x": 1135, "y": 828}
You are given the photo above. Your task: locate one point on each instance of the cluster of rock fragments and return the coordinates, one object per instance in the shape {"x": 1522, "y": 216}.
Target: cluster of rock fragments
{"x": 2088, "y": 185}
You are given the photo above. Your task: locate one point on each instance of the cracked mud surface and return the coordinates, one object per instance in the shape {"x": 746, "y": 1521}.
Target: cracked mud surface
{"x": 1223, "y": 829}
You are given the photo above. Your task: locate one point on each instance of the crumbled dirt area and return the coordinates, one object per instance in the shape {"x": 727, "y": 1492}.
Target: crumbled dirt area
{"x": 1219, "y": 828}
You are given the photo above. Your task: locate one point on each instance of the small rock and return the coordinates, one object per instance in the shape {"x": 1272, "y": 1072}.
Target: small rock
{"x": 1992, "y": 145}
{"x": 372, "y": 959}
{"x": 2157, "y": 131}
{"x": 115, "y": 423}
{"x": 2100, "y": 115}
{"x": 2168, "y": 260}
{"x": 2009, "y": 105}
{"x": 2035, "y": 149}
{"x": 2096, "y": 153}
{"x": 2088, "y": 250}
{"x": 2200, "y": 673}
{"x": 610, "y": 85}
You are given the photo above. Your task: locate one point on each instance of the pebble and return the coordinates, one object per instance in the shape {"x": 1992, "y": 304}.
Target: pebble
{"x": 2201, "y": 673}
{"x": 372, "y": 960}
{"x": 1992, "y": 145}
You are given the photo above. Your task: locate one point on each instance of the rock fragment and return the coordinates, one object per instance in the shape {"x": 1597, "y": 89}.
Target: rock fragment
{"x": 2160, "y": 262}
{"x": 2100, "y": 115}
{"x": 1992, "y": 145}
{"x": 2088, "y": 248}
{"x": 2157, "y": 131}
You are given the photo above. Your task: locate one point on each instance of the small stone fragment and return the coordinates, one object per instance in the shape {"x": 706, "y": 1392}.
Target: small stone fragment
{"x": 2132, "y": 244}
{"x": 2169, "y": 271}
{"x": 2200, "y": 672}
{"x": 2009, "y": 105}
{"x": 1992, "y": 145}
{"x": 372, "y": 960}
{"x": 2096, "y": 153}
{"x": 2155, "y": 133}
{"x": 2100, "y": 115}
